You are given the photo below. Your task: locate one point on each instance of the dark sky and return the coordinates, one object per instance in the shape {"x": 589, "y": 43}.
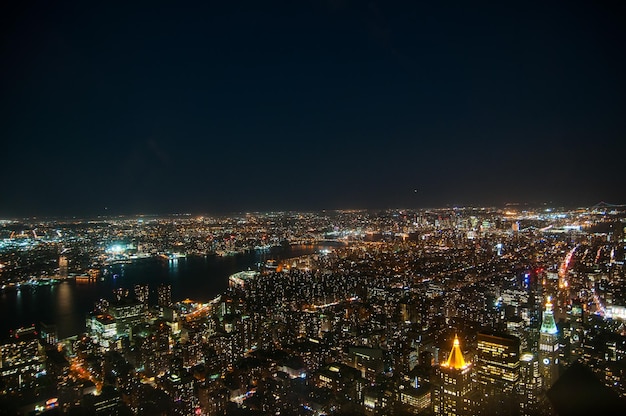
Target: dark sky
{"x": 261, "y": 105}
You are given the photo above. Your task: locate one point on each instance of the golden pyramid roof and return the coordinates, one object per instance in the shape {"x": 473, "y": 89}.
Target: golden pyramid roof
{"x": 455, "y": 359}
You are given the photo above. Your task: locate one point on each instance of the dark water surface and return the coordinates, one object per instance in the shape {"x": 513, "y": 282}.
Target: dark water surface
{"x": 66, "y": 304}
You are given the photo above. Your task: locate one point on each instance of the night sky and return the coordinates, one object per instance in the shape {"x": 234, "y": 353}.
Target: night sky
{"x": 260, "y": 105}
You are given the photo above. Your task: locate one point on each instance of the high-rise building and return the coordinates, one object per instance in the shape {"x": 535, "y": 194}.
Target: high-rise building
{"x": 529, "y": 386}
{"x": 576, "y": 319}
{"x": 534, "y": 285}
{"x": 49, "y": 333}
{"x": 126, "y": 313}
{"x": 21, "y": 360}
{"x": 120, "y": 293}
{"x": 102, "y": 328}
{"x": 164, "y": 295}
{"x": 548, "y": 347}
{"x": 63, "y": 267}
{"x": 498, "y": 372}
{"x": 454, "y": 385}
{"x": 142, "y": 293}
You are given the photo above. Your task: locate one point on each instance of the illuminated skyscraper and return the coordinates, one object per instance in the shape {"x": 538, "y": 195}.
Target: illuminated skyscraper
{"x": 127, "y": 313}
{"x": 63, "y": 267}
{"x": 165, "y": 295}
{"x": 529, "y": 386}
{"x": 497, "y": 372}
{"x": 576, "y": 330}
{"x": 141, "y": 293}
{"x": 120, "y": 293}
{"x": 21, "y": 360}
{"x": 452, "y": 394}
{"x": 548, "y": 347}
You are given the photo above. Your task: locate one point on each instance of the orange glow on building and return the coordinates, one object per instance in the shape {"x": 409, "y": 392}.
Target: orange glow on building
{"x": 455, "y": 359}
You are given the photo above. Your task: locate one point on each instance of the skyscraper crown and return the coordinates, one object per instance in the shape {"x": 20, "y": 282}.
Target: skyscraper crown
{"x": 548, "y": 326}
{"x": 455, "y": 359}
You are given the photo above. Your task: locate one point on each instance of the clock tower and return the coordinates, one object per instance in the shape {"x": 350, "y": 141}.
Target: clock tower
{"x": 548, "y": 347}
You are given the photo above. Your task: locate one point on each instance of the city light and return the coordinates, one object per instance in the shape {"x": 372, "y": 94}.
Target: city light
{"x": 336, "y": 316}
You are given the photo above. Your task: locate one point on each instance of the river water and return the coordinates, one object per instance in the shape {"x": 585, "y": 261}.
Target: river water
{"x": 67, "y": 304}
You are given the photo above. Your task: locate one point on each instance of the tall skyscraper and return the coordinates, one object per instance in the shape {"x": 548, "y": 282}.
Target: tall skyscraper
{"x": 498, "y": 372}
{"x": 142, "y": 293}
{"x": 548, "y": 347}
{"x": 454, "y": 385}
{"x": 21, "y": 359}
{"x": 63, "y": 267}
{"x": 534, "y": 286}
{"x": 576, "y": 330}
{"x": 164, "y": 293}
{"x": 529, "y": 386}
{"x": 120, "y": 293}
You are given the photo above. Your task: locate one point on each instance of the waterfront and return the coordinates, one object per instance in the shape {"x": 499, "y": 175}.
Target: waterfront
{"x": 408, "y": 286}
{"x": 66, "y": 304}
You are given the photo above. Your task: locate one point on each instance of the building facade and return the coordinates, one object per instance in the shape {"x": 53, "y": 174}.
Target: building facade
{"x": 548, "y": 347}
{"x": 452, "y": 395}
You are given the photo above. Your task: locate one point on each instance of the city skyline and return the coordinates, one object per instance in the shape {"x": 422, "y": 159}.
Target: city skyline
{"x": 454, "y": 311}
{"x": 309, "y": 106}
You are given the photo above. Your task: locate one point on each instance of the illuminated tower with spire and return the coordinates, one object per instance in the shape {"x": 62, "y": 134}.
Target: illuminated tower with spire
{"x": 452, "y": 395}
{"x": 548, "y": 347}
